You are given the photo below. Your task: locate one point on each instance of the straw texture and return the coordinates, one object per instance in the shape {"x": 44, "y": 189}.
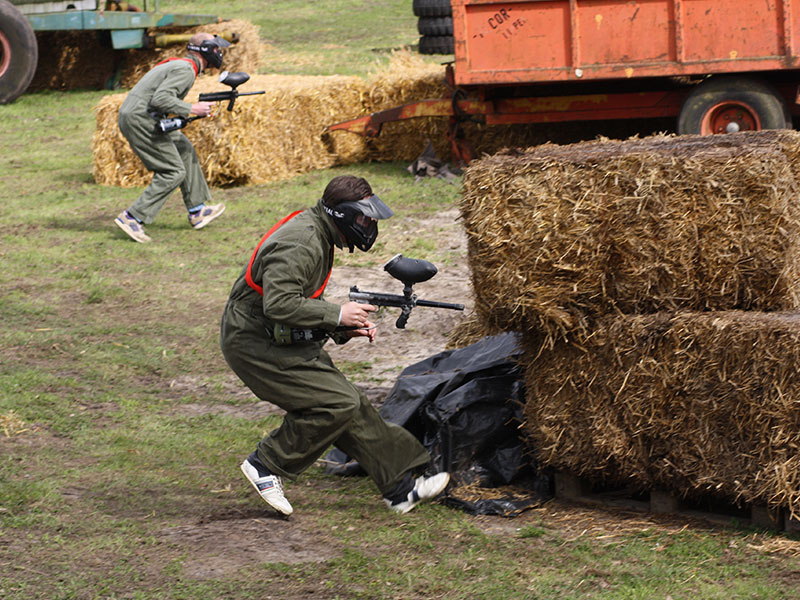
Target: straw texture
{"x": 560, "y": 235}
{"x": 693, "y": 403}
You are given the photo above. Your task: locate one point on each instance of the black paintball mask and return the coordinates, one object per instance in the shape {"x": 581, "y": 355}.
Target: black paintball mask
{"x": 211, "y": 50}
{"x": 358, "y": 220}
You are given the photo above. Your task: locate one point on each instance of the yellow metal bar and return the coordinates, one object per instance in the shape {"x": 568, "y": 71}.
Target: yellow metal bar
{"x": 160, "y": 41}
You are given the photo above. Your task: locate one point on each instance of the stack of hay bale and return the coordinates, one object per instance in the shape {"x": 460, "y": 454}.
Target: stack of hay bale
{"x": 653, "y": 282}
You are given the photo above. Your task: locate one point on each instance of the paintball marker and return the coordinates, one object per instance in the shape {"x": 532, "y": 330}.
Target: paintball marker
{"x": 409, "y": 271}
{"x": 234, "y": 80}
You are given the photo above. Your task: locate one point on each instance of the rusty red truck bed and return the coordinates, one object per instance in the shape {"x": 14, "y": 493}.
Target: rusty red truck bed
{"x": 525, "y": 41}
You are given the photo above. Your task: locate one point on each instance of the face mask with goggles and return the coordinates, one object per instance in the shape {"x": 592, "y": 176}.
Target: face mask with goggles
{"x": 358, "y": 220}
{"x": 211, "y": 50}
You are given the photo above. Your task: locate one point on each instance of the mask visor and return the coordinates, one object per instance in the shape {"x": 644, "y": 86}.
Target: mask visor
{"x": 372, "y": 207}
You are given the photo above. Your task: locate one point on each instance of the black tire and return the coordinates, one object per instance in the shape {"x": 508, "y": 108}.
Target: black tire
{"x": 741, "y": 102}
{"x": 436, "y": 44}
{"x": 435, "y": 26}
{"x": 19, "y": 52}
{"x": 433, "y": 8}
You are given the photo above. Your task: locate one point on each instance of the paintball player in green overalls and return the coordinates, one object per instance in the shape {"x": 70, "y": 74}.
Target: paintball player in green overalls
{"x": 170, "y": 156}
{"x": 274, "y": 327}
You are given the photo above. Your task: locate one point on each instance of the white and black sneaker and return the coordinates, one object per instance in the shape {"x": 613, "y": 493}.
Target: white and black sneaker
{"x": 268, "y": 486}
{"x": 425, "y": 488}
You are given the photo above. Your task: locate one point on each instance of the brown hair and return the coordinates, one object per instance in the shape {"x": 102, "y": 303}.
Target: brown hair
{"x": 345, "y": 188}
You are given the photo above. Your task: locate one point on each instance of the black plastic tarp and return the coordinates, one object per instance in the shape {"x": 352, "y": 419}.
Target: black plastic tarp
{"x": 465, "y": 406}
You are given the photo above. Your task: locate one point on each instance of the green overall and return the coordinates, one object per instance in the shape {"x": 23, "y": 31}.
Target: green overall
{"x": 170, "y": 156}
{"x": 322, "y": 407}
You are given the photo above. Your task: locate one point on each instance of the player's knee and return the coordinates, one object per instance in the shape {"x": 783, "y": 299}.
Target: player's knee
{"x": 174, "y": 177}
{"x": 344, "y": 409}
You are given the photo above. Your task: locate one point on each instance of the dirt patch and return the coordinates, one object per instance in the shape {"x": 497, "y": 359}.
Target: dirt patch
{"x": 217, "y": 548}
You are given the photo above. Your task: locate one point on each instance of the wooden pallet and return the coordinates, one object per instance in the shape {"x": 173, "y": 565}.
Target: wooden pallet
{"x": 576, "y": 489}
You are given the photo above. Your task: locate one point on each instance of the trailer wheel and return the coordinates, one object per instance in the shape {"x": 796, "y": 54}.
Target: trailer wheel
{"x": 436, "y": 44}
{"x": 435, "y": 26}
{"x": 19, "y": 52}
{"x": 432, "y": 8}
{"x": 731, "y": 104}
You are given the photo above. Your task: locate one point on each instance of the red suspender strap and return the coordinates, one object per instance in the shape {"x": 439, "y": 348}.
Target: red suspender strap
{"x": 318, "y": 293}
{"x": 189, "y": 60}
{"x": 248, "y": 276}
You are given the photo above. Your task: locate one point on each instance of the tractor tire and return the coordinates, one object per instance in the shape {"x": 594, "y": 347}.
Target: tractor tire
{"x": 435, "y": 26}
{"x": 19, "y": 52}
{"x": 728, "y": 104}
{"x": 433, "y": 8}
{"x": 436, "y": 44}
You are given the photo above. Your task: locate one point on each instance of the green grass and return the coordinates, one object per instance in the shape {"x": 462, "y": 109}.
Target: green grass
{"x": 124, "y": 482}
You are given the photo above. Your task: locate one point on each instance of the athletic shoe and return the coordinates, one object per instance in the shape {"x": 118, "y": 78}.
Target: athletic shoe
{"x": 269, "y": 487}
{"x": 205, "y": 215}
{"x": 425, "y": 488}
{"x": 132, "y": 227}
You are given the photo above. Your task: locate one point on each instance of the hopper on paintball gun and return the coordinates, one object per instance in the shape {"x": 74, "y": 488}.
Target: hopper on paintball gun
{"x": 409, "y": 271}
{"x": 233, "y": 80}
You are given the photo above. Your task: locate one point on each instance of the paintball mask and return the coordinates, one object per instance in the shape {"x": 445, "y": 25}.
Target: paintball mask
{"x": 358, "y": 220}
{"x": 211, "y": 50}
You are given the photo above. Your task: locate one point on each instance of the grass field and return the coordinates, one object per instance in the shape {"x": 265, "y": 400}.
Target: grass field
{"x": 121, "y": 427}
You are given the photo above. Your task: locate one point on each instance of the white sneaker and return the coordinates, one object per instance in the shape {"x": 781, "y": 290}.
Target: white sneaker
{"x": 205, "y": 215}
{"x": 270, "y": 488}
{"x": 425, "y": 488}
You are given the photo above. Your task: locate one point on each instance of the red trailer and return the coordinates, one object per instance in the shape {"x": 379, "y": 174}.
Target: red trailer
{"x": 718, "y": 66}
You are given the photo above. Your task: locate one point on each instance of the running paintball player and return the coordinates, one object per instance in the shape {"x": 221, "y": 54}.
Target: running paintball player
{"x": 169, "y": 156}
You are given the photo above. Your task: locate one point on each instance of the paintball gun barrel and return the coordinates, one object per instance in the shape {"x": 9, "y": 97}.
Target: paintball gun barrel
{"x": 409, "y": 271}
{"x": 233, "y": 80}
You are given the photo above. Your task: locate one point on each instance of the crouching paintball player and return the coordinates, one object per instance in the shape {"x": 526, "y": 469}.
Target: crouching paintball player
{"x": 274, "y": 327}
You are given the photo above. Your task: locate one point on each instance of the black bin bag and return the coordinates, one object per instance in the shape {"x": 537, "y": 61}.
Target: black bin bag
{"x": 465, "y": 406}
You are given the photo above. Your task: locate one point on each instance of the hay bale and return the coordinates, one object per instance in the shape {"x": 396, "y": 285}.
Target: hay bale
{"x": 245, "y": 55}
{"x": 277, "y": 135}
{"x": 266, "y": 138}
{"x": 694, "y": 403}
{"x": 560, "y": 235}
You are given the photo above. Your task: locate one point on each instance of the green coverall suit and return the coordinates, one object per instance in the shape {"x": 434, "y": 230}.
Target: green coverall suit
{"x": 170, "y": 156}
{"x": 322, "y": 407}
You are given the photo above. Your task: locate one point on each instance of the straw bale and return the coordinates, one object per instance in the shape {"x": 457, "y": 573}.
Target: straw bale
{"x": 265, "y": 138}
{"x": 559, "y": 235}
{"x": 692, "y": 403}
{"x": 245, "y": 55}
